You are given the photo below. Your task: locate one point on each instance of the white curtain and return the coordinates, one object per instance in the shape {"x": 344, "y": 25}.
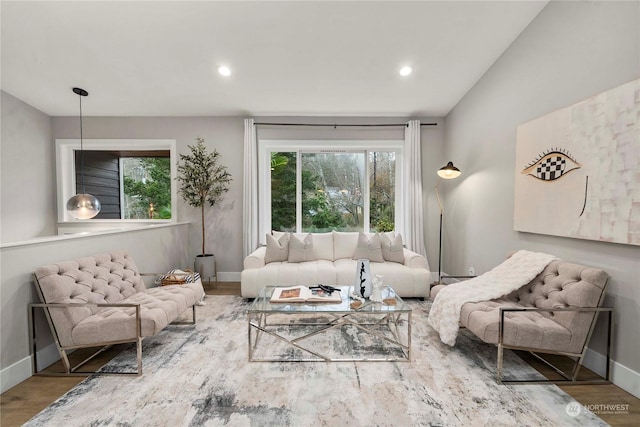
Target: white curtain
{"x": 250, "y": 189}
{"x": 413, "y": 212}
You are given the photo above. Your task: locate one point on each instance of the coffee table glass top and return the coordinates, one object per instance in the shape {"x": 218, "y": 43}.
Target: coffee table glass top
{"x": 393, "y": 303}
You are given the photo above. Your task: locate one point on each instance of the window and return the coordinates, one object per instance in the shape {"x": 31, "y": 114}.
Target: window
{"x": 145, "y": 187}
{"x": 136, "y": 184}
{"x": 329, "y": 185}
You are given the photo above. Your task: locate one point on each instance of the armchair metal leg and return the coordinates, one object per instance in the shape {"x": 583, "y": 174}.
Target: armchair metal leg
{"x": 70, "y": 370}
{"x": 139, "y": 355}
{"x": 193, "y": 316}
{"x": 577, "y": 357}
{"x": 63, "y": 351}
{"x": 500, "y": 361}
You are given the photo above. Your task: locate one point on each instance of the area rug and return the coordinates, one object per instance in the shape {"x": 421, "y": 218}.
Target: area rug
{"x": 200, "y": 376}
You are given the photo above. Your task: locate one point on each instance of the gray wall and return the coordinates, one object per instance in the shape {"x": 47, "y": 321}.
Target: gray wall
{"x": 26, "y": 163}
{"x": 226, "y": 134}
{"x": 571, "y": 51}
{"x": 28, "y": 131}
{"x": 154, "y": 249}
{"x": 224, "y": 221}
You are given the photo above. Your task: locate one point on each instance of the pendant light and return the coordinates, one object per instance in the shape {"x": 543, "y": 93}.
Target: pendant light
{"x": 82, "y": 206}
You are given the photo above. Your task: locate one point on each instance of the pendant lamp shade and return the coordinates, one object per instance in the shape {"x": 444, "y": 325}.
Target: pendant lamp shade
{"x": 82, "y": 206}
{"x": 449, "y": 171}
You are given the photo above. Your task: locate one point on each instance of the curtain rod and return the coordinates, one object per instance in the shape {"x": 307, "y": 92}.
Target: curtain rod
{"x": 335, "y": 125}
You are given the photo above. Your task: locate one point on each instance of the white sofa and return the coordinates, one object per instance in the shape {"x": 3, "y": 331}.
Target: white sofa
{"x": 333, "y": 264}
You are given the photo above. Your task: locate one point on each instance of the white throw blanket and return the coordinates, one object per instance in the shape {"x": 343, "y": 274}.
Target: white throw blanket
{"x": 518, "y": 270}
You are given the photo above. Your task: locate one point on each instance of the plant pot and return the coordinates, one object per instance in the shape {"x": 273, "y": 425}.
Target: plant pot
{"x": 205, "y": 264}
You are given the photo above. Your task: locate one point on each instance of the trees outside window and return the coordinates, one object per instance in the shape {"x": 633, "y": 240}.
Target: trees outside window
{"x": 333, "y": 191}
{"x": 147, "y": 187}
{"x": 337, "y": 190}
{"x": 382, "y": 181}
{"x": 283, "y": 191}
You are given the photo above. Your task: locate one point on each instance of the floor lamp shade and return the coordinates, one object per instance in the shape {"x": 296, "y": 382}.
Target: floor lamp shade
{"x": 82, "y": 205}
{"x": 449, "y": 171}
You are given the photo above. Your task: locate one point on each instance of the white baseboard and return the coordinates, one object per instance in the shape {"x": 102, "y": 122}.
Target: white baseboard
{"x": 434, "y": 277}
{"x": 620, "y": 375}
{"x": 21, "y": 370}
{"x": 15, "y": 374}
{"x": 228, "y": 276}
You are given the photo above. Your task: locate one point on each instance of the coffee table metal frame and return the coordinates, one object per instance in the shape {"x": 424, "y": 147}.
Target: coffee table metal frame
{"x": 395, "y": 318}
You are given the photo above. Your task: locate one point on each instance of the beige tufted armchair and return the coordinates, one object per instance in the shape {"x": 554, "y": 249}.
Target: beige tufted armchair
{"x": 555, "y": 314}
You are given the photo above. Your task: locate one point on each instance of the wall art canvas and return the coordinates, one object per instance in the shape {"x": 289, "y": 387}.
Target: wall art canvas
{"x": 578, "y": 169}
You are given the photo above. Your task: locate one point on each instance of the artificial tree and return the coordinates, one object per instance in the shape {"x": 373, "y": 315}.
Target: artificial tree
{"x": 203, "y": 180}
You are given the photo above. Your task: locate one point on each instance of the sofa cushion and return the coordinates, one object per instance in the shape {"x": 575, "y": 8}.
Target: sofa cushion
{"x": 277, "y": 248}
{"x": 392, "y": 248}
{"x": 290, "y": 274}
{"x": 278, "y": 234}
{"x": 301, "y": 250}
{"x": 407, "y": 282}
{"x": 158, "y": 307}
{"x": 344, "y": 244}
{"x": 322, "y": 244}
{"x": 521, "y": 329}
{"x": 369, "y": 248}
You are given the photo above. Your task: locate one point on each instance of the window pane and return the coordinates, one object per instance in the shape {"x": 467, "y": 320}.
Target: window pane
{"x": 332, "y": 191}
{"x": 283, "y": 191}
{"x": 382, "y": 179}
{"x": 147, "y": 187}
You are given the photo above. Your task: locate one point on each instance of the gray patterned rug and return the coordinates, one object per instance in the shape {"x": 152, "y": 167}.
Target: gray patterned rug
{"x": 199, "y": 376}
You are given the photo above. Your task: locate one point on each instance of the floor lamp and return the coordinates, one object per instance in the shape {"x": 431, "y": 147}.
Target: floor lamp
{"x": 446, "y": 172}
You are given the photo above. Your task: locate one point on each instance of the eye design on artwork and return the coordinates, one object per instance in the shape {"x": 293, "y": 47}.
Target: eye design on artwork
{"x": 551, "y": 165}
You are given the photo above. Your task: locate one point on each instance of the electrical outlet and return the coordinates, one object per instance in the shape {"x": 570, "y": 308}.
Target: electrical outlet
{"x": 472, "y": 271}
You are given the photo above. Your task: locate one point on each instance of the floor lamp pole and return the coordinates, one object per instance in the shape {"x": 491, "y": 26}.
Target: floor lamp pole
{"x": 440, "y": 253}
{"x": 440, "y": 241}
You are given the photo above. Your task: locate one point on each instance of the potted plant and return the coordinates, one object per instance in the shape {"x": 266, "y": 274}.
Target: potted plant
{"x": 203, "y": 180}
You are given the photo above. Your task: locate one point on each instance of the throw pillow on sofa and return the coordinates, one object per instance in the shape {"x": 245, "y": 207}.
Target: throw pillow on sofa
{"x": 392, "y": 248}
{"x": 301, "y": 250}
{"x": 369, "y": 248}
{"x": 277, "y": 248}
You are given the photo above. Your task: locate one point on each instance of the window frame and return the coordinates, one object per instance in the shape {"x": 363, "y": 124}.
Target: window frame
{"x": 266, "y": 147}
{"x": 66, "y": 176}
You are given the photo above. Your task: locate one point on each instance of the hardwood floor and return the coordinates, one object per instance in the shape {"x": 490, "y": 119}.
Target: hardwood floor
{"x": 611, "y": 403}
{"x": 25, "y": 400}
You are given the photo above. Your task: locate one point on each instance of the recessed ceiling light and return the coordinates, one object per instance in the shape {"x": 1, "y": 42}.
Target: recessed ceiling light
{"x": 224, "y": 71}
{"x": 405, "y": 71}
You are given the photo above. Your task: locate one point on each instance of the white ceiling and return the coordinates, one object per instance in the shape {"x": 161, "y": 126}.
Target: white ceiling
{"x": 148, "y": 58}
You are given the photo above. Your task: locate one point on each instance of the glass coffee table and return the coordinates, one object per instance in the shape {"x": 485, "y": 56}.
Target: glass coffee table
{"x": 331, "y": 332}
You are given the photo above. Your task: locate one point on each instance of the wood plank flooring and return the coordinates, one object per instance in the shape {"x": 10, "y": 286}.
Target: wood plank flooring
{"x": 25, "y": 400}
